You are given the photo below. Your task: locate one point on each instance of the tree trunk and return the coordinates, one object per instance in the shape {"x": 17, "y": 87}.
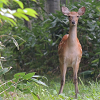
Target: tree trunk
{"x": 28, "y": 23}
{"x": 63, "y": 2}
{"x": 51, "y": 6}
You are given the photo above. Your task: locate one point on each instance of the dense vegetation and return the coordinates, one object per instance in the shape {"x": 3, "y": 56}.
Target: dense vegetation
{"x": 32, "y": 47}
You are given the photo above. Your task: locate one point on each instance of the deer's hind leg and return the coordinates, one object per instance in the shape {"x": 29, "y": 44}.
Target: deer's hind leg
{"x": 75, "y": 80}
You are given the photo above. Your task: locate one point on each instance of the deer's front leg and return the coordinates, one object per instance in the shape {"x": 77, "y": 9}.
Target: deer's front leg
{"x": 63, "y": 74}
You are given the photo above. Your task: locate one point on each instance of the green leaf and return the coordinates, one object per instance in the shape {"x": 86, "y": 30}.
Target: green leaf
{"x": 25, "y": 90}
{"x": 19, "y": 3}
{"x": 17, "y": 15}
{"x": 54, "y": 92}
{"x": 95, "y": 61}
{"x": 19, "y": 75}
{"x": 62, "y": 95}
{"x": 24, "y": 17}
{"x": 7, "y": 19}
{"x": 98, "y": 8}
{"x": 18, "y": 37}
{"x": 1, "y": 5}
{"x": 9, "y": 83}
{"x": 4, "y": 70}
{"x": 28, "y": 76}
{"x": 39, "y": 82}
{"x": 98, "y": 53}
{"x": 35, "y": 97}
{"x": 38, "y": 76}
{"x": 20, "y": 15}
{"x": 3, "y": 1}
{"x": 30, "y": 12}
{"x": 11, "y": 21}
{"x": 9, "y": 15}
{"x": 34, "y": 0}
{"x": 20, "y": 10}
{"x": 87, "y": 72}
{"x": 15, "y": 42}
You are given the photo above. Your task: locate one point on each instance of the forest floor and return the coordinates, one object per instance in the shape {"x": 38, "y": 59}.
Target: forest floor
{"x": 88, "y": 90}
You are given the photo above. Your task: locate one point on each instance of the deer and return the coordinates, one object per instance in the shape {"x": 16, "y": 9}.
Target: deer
{"x": 69, "y": 49}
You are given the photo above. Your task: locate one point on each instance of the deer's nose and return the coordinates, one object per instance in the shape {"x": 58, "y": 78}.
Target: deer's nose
{"x": 73, "y": 22}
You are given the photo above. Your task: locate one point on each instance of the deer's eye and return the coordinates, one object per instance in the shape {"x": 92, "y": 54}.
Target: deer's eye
{"x": 69, "y": 16}
{"x": 77, "y": 16}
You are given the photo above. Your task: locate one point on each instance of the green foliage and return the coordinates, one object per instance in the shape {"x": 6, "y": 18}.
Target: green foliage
{"x": 4, "y": 70}
{"x": 86, "y": 91}
{"x": 22, "y": 82}
{"x": 38, "y": 51}
{"x": 88, "y": 32}
{"x": 8, "y": 15}
{"x": 19, "y": 3}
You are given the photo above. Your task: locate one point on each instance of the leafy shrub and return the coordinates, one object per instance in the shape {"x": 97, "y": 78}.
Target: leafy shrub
{"x": 39, "y": 52}
{"x": 21, "y": 82}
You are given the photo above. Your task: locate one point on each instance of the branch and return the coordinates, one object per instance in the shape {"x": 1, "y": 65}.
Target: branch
{"x": 39, "y": 5}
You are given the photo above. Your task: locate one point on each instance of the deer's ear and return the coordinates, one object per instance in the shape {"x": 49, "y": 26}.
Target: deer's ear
{"x": 81, "y": 11}
{"x": 65, "y": 11}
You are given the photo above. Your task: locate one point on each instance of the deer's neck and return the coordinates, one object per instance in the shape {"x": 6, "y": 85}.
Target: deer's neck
{"x": 72, "y": 35}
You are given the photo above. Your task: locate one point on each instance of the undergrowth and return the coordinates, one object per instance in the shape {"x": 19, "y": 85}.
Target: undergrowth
{"x": 88, "y": 90}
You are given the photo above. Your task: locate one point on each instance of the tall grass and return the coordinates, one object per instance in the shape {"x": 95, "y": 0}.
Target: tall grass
{"x": 88, "y": 91}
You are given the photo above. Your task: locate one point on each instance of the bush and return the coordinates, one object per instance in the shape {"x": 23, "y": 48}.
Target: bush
{"x": 39, "y": 52}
